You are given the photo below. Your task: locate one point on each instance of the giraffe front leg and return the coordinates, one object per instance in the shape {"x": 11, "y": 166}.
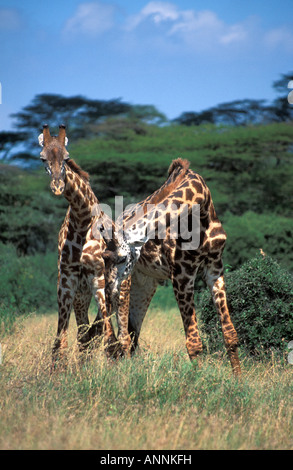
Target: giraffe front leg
{"x": 81, "y": 305}
{"x": 142, "y": 291}
{"x": 111, "y": 343}
{"x": 65, "y": 294}
{"x": 61, "y": 342}
{"x": 218, "y": 290}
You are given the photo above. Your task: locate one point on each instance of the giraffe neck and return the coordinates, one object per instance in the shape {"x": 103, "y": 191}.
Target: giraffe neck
{"x": 83, "y": 202}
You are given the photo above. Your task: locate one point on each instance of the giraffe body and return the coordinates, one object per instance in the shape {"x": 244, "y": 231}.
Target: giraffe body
{"x": 164, "y": 258}
{"x": 81, "y": 266}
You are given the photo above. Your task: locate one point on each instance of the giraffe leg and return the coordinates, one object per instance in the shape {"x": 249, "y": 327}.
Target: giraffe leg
{"x": 184, "y": 293}
{"x": 123, "y": 317}
{"x": 96, "y": 328}
{"x": 142, "y": 291}
{"x": 109, "y": 334}
{"x": 66, "y": 291}
{"x": 81, "y": 305}
{"x": 216, "y": 283}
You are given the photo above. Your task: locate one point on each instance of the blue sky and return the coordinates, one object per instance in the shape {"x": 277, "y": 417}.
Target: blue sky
{"x": 177, "y": 55}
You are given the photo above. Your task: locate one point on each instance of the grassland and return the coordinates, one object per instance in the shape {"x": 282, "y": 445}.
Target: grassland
{"x": 157, "y": 400}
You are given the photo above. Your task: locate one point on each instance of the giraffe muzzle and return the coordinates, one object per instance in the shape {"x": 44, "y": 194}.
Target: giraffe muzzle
{"x": 57, "y": 185}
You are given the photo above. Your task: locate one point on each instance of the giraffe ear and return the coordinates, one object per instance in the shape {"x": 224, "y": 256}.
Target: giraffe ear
{"x": 41, "y": 140}
{"x": 66, "y": 141}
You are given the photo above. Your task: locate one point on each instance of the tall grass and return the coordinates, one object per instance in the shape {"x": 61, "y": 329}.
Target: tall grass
{"x": 156, "y": 400}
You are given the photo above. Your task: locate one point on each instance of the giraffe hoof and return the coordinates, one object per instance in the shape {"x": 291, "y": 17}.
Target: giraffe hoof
{"x": 113, "y": 349}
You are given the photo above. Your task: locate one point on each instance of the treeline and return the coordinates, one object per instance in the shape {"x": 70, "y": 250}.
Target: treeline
{"x": 83, "y": 117}
{"x": 86, "y": 118}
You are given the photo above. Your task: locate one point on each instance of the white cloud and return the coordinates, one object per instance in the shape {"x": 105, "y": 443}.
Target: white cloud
{"x": 91, "y": 18}
{"x": 191, "y": 21}
{"x": 199, "y": 29}
{"x": 158, "y": 12}
{"x": 235, "y": 33}
{"x": 279, "y": 37}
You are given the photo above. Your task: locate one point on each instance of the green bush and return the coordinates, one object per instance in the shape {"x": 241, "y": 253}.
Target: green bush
{"x": 247, "y": 233}
{"x": 27, "y": 284}
{"x": 260, "y": 300}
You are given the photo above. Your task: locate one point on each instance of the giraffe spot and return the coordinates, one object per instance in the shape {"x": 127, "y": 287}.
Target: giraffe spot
{"x": 63, "y": 282}
{"x": 204, "y": 221}
{"x": 217, "y": 231}
{"x": 197, "y": 186}
{"x": 218, "y": 243}
{"x": 70, "y": 233}
{"x": 189, "y": 194}
{"x": 76, "y": 252}
{"x": 177, "y": 203}
{"x": 178, "y": 194}
{"x": 177, "y": 270}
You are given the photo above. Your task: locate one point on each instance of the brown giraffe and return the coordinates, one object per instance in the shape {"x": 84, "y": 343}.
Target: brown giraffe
{"x": 168, "y": 257}
{"x": 81, "y": 268}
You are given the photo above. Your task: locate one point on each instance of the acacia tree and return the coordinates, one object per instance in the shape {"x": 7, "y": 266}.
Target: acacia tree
{"x": 82, "y": 117}
{"x": 283, "y": 111}
{"x": 8, "y": 139}
{"x": 76, "y": 112}
{"x": 246, "y": 111}
{"x": 234, "y": 113}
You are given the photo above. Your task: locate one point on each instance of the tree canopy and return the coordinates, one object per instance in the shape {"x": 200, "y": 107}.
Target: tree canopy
{"x": 86, "y": 118}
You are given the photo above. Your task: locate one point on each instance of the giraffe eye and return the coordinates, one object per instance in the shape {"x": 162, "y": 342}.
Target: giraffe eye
{"x": 121, "y": 260}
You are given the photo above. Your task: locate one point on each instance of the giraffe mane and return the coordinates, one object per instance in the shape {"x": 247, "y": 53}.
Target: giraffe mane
{"x": 76, "y": 168}
{"x": 176, "y": 173}
{"x": 178, "y": 164}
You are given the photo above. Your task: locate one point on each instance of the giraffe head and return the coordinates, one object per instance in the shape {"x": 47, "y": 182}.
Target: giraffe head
{"x": 54, "y": 156}
{"x": 120, "y": 257}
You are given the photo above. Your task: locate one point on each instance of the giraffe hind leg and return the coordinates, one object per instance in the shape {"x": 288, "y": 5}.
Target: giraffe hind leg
{"x": 215, "y": 280}
{"x": 184, "y": 293}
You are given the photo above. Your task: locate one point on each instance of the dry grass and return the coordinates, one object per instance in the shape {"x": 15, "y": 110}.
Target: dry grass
{"x": 154, "y": 401}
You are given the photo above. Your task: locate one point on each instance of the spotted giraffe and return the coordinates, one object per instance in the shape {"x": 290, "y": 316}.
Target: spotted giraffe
{"x": 176, "y": 257}
{"x": 81, "y": 267}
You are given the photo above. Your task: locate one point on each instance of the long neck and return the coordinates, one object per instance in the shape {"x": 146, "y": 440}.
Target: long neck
{"x": 83, "y": 202}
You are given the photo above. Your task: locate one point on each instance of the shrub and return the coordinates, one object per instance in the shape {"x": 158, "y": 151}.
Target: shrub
{"x": 250, "y": 232}
{"x": 27, "y": 284}
{"x": 260, "y": 299}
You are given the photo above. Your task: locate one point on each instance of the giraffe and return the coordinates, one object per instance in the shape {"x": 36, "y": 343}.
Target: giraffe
{"x": 167, "y": 257}
{"x": 81, "y": 267}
